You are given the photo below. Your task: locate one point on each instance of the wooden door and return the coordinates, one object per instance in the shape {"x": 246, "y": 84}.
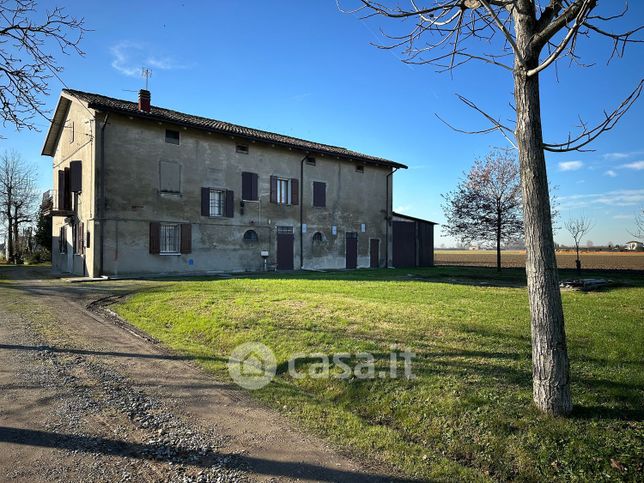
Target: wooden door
{"x": 374, "y": 252}
{"x": 352, "y": 250}
{"x": 285, "y": 239}
{"x": 404, "y": 244}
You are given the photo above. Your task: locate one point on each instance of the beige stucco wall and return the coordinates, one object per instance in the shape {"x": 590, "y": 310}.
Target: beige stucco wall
{"x": 76, "y": 142}
{"x": 134, "y": 149}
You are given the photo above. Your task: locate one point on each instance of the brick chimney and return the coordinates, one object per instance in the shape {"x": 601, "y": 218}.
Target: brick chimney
{"x": 144, "y": 100}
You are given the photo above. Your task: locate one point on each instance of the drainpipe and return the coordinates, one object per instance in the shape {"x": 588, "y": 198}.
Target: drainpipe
{"x": 102, "y": 195}
{"x": 302, "y": 211}
{"x": 387, "y": 217}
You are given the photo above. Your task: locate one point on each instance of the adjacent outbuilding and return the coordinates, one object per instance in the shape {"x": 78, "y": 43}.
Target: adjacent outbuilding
{"x": 412, "y": 241}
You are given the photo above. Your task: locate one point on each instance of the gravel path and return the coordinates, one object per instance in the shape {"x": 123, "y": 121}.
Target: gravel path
{"x": 84, "y": 399}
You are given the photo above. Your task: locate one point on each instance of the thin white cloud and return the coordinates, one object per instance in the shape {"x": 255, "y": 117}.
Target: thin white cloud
{"x": 619, "y": 156}
{"x": 610, "y": 173}
{"x": 122, "y": 58}
{"x": 637, "y": 165}
{"x": 570, "y": 165}
{"x": 616, "y": 156}
{"x": 624, "y": 217}
{"x": 402, "y": 208}
{"x": 130, "y": 57}
{"x": 609, "y": 198}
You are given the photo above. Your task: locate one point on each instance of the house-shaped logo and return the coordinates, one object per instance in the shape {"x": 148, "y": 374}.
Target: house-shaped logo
{"x": 252, "y": 365}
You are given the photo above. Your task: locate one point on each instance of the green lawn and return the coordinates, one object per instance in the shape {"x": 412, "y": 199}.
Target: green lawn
{"x": 468, "y": 413}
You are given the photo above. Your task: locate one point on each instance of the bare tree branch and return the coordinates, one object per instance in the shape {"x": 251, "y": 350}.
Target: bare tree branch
{"x": 496, "y": 124}
{"x": 588, "y": 135}
{"x": 26, "y": 61}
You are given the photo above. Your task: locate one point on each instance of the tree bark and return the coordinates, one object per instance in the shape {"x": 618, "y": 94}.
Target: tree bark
{"x": 15, "y": 236}
{"x": 550, "y": 365}
{"x": 498, "y": 239}
{"x": 9, "y": 237}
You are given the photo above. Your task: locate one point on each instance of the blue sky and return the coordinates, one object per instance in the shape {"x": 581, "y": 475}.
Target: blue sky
{"x": 307, "y": 70}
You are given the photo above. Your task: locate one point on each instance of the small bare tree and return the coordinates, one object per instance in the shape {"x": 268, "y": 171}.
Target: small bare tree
{"x": 26, "y": 59}
{"x": 578, "y": 228}
{"x": 638, "y": 231}
{"x": 18, "y": 197}
{"x": 524, "y": 37}
{"x": 486, "y": 205}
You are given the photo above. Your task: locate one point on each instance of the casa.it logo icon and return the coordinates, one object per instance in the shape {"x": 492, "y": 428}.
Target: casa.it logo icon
{"x": 252, "y": 365}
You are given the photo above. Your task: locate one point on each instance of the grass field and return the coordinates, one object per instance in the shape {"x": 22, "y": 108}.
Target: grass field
{"x": 516, "y": 258}
{"x": 468, "y": 413}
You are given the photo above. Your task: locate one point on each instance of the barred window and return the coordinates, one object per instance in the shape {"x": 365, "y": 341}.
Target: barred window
{"x": 169, "y": 238}
{"x": 217, "y": 199}
{"x": 250, "y": 236}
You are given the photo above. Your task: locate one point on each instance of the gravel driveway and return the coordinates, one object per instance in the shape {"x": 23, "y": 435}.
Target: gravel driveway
{"x": 84, "y": 399}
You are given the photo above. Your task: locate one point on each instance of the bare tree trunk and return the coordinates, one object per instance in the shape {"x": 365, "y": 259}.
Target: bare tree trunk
{"x": 16, "y": 246}
{"x": 498, "y": 240}
{"x": 9, "y": 237}
{"x": 550, "y": 366}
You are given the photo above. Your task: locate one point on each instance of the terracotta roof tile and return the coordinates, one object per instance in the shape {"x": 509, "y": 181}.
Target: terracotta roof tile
{"x": 97, "y": 101}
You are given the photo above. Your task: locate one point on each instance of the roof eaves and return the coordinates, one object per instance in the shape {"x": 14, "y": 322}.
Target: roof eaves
{"x": 57, "y": 124}
{"x": 95, "y": 103}
{"x": 409, "y": 217}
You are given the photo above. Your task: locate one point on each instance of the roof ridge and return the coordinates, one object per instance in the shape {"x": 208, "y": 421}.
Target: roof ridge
{"x": 202, "y": 122}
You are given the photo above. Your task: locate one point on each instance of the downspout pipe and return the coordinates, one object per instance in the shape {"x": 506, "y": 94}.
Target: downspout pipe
{"x": 101, "y": 217}
{"x": 302, "y": 211}
{"x": 388, "y": 216}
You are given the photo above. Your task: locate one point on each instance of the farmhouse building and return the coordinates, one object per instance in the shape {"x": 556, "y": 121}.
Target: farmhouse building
{"x": 139, "y": 189}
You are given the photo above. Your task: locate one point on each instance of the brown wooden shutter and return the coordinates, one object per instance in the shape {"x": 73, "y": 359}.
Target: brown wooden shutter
{"x": 273, "y": 189}
{"x": 61, "y": 189}
{"x": 254, "y": 192}
{"x": 229, "y": 204}
{"x": 68, "y": 194}
{"x": 295, "y": 191}
{"x": 247, "y": 186}
{"x": 205, "y": 201}
{"x": 76, "y": 177}
{"x": 186, "y": 238}
{"x": 155, "y": 238}
{"x": 319, "y": 194}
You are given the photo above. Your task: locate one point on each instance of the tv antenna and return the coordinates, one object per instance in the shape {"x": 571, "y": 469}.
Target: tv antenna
{"x": 147, "y": 73}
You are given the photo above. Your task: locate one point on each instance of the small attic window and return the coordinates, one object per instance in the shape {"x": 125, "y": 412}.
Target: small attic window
{"x": 310, "y": 160}
{"x": 359, "y": 169}
{"x": 172, "y": 136}
{"x": 242, "y": 149}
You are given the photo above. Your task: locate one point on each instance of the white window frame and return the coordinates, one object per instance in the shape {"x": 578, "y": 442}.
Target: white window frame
{"x": 283, "y": 198}
{"x": 214, "y": 208}
{"x": 166, "y": 239}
